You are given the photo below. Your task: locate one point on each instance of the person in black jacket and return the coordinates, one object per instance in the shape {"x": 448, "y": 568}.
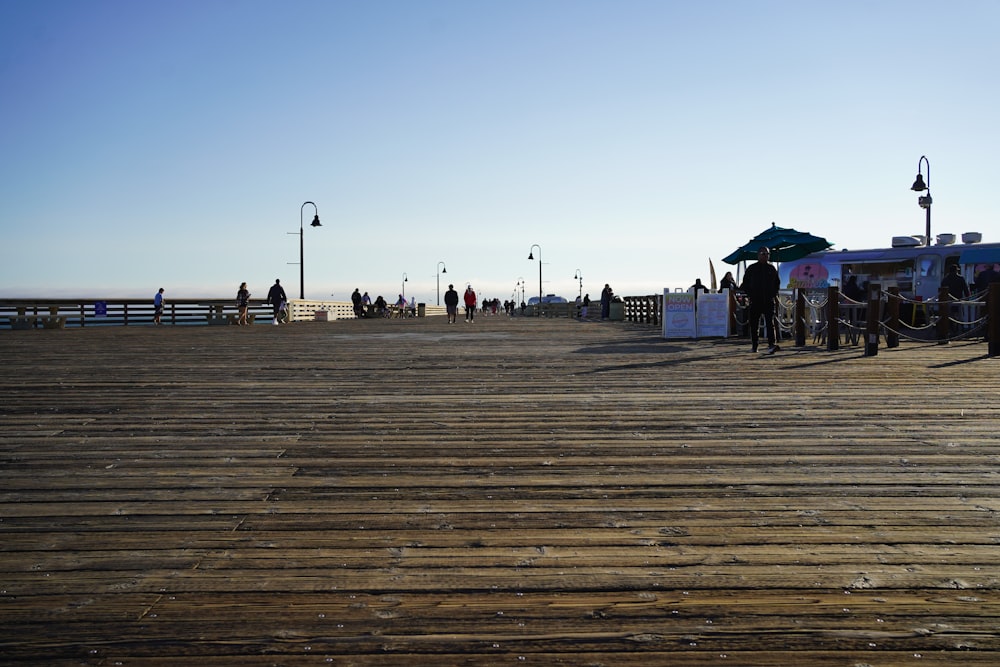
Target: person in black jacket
{"x": 276, "y": 297}
{"x": 451, "y": 304}
{"x": 359, "y": 309}
{"x": 761, "y": 285}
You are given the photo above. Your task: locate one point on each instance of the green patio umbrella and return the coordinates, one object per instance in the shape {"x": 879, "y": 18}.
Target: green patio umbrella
{"x": 785, "y": 244}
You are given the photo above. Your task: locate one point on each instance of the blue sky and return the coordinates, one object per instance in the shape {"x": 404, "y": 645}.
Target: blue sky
{"x": 172, "y": 144}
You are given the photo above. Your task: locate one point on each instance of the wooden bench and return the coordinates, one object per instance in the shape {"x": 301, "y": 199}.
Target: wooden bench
{"x": 24, "y": 322}
{"x": 218, "y": 317}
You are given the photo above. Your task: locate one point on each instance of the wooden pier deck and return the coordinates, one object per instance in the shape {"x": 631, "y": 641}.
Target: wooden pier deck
{"x": 513, "y": 492}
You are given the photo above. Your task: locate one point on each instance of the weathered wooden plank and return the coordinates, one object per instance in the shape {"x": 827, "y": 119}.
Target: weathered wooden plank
{"x": 412, "y": 492}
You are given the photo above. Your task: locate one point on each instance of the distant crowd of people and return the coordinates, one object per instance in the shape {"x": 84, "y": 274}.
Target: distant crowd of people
{"x": 364, "y": 306}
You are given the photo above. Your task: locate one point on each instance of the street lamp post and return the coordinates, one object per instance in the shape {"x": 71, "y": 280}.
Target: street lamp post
{"x": 532, "y": 256}
{"x": 441, "y": 269}
{"x": 302, "y": 253}
{"x": 924, "y": 201}
{"x": 520, "y": 283}
{"x": 405, "y": 279}
{"x": 579, "y": 276}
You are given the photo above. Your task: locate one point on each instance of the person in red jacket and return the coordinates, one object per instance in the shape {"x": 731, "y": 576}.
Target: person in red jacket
{"x": 470, "y": 304}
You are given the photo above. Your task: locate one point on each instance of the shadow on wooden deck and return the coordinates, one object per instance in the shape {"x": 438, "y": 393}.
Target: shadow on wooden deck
{"x": 510, "y": 492}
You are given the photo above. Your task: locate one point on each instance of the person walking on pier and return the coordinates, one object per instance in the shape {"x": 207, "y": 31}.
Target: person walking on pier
{"x": 359, "y": 310}
{"x": 451, "y": 304}
{"x": 158, "y": 307}
{"x": 470, "y": 304}
{"x": 243, "y": 302}
{"x": 276, "y": 297}
{"x": 761, "y": 285}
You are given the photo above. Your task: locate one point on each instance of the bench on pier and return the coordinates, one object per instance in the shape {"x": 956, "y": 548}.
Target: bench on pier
{"x": 51, "y": 321}
{"x": 218, "y": 317}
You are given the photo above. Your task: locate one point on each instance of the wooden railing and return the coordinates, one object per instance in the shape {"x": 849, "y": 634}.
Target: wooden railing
{"x": 61, "y": 313}
{"x": 644, "y": 309}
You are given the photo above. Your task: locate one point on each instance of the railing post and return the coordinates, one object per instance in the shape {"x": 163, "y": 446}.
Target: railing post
{"x": 799, "y": 326}
{"x": 993, "y": 318}
{"x": 832, "y": 319}
{"x": 944, "y": 315}
{"x": 892, "y": 305}
{"x": 872, "y": 322}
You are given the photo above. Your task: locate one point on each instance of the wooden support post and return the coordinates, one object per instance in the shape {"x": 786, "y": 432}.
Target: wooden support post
{"x": 872, "y": 320}
{"x": 993, "y": 319}
{"x": 799, "y": 327}
{"x": 944, "y": 315}
{"x": 892, "y": 305}
{"x": 832, "y": 319}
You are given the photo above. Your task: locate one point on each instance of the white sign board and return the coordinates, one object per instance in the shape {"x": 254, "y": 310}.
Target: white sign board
{"x": 678, "y": 315}
{"x": 686, "y": 317}
{"x": 713, "y": 314}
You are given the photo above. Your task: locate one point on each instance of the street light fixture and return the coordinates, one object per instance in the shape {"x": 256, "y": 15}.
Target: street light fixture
{"x": 302, "y": 262}
{"x": 579, "y": 276}
{"x": 924, "y": 201}
{"x": 441, "y": 269}
{"x": 405, "y": 279}
{"x": 520, "y": 283}
{"x": 532, "y": 256}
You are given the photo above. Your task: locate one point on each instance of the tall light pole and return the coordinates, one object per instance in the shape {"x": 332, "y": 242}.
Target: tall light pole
{"x": 441, "y": 269}
{"x": 924, "y": 201}
{"x": 579, "y": 276}
{"x": 520, "y": 283}
{"x": 302, "y": 252}
{"x": 532, "y": 256}
{"x": 404, "y": 286}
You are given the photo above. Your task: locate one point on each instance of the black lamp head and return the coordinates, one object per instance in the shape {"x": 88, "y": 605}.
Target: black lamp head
{"x": 531, "y": 254}
{"x": 315, "y": 222}
{"x": 919, "y": 185}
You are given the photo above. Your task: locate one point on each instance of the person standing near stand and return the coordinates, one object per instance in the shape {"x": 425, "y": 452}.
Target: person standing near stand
{"x": 606, "y": 296}
{"x": 761, "y": 285}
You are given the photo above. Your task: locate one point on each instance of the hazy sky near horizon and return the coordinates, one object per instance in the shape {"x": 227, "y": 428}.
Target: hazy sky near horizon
{"x": 173, "y": 144}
